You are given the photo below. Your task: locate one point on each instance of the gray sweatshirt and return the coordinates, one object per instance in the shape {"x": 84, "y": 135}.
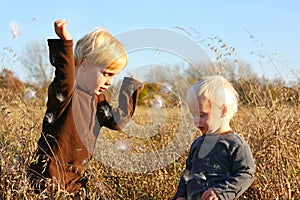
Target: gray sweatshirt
{"x": 221, "y": 162}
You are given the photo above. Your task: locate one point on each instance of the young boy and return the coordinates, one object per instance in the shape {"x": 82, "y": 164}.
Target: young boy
{"x": 77, "y": 107}
{"x": 220, "y": 163}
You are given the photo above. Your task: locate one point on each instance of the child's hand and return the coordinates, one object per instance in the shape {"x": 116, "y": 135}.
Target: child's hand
{"x": 61, "y": 30}
{"x": 209, "y": 195}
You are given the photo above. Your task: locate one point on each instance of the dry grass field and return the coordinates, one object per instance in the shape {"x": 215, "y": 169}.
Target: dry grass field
{"x": 273, "y": 133}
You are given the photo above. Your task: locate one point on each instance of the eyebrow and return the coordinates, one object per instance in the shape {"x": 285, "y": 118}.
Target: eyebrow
{"x": 203, "y": 113}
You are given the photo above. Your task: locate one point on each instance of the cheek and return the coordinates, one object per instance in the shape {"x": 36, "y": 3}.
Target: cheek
{"x": 100, "y": 79}
{"x": 90, "y": 80}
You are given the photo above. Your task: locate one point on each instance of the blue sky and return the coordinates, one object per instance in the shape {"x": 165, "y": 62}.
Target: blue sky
{"x": 276, "y": 24}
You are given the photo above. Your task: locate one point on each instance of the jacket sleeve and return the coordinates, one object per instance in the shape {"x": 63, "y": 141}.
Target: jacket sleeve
{"x": 118, "y": 117}
{"x": 243, "y": 169}
{"x": 61, "y": 88}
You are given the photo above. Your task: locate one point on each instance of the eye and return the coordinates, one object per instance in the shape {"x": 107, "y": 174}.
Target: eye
{"x": 202, "y": 115}
{"x": 107, "y": 74}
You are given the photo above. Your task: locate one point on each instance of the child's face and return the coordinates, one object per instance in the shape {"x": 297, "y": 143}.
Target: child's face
{"x": 206, "y": 119}
{"x": 96, "y": 79}
{"x": 202, "y": 114}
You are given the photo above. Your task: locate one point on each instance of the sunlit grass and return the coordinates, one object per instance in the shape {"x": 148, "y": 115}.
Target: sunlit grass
{"x": 268, "y": 119}
{"x": 272, "y": 132}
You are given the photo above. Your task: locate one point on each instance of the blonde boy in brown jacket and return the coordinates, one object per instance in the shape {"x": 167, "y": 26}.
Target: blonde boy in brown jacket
{"x": 77, "y": 107}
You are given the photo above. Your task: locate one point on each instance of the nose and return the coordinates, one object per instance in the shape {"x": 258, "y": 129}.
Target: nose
{"x": 108, "y": 81}
{"x": 197, "y": 120}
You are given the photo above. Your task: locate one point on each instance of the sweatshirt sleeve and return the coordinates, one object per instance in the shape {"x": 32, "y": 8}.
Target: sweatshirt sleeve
{"x": 243, "y": 169}
{"x": 117, "y": 118}
{"x": 181, "y": 190}
{"x": 62, "y": 58}
{"x": 186, "y": 175}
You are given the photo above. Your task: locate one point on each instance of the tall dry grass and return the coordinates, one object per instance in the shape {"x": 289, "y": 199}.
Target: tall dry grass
{"x": 268, "y": 119}
{"x": 272, "y": 132}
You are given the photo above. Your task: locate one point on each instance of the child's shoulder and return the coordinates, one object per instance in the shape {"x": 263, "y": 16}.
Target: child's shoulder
{"x": 197, "y": 141}
{"x": 235, "y": 138}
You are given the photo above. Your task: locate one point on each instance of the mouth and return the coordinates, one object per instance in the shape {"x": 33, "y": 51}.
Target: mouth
{"x": 202, "y": 129}
{"x": 102, "y": 89}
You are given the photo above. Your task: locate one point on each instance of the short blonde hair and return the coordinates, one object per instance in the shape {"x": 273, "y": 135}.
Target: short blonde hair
{"x": 100, "y": 48}
{"x": 218, "y": 91}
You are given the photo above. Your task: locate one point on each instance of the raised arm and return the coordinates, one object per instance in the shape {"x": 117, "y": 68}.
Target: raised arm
{"x": 62, "y": 58}
{"x": 118, "y": 117}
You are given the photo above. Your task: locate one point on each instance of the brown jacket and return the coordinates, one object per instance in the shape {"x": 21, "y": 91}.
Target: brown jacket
{"x": 72, "y": 122}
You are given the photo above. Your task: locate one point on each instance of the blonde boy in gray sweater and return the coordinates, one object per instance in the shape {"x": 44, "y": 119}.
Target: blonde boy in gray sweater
{"x": 220, "y": 163}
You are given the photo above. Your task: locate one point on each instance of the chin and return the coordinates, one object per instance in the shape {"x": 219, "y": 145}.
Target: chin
{"x": 98, "y": 92}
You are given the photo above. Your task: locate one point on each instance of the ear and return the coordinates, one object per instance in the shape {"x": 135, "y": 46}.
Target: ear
{"x": 223, "y": 111}
{"x": 83, "y": 65}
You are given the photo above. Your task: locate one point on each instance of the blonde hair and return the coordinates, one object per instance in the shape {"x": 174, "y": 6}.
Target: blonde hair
{"x": 218, "y": 91}
{"x": 100, "y": 48}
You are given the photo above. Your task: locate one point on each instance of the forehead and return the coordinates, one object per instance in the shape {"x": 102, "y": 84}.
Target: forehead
{"x": 107, "y": 69}
{"x": 112, "y": 71}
